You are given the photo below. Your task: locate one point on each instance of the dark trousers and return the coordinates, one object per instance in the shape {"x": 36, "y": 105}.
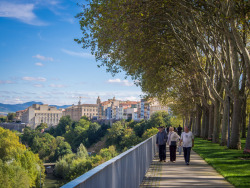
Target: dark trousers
{"x": 172, "y": 150}
{"x": 162, "y": 152}
{"x": 186, "y": 151}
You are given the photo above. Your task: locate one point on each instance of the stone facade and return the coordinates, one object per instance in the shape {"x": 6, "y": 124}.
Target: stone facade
{"x": 77, "y": 111}
{"x": 37, "y": 114}
{"x": 19, "y": 114}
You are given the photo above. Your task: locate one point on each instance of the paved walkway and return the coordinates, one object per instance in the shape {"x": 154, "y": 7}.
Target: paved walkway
{"x": 197, "y": 174}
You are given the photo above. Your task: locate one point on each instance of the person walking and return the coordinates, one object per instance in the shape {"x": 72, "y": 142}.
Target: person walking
{"x": 179, "y": 130}
{"x": 173, "y": 139}
{"x": 187, "y": 138}
{"x": 161, "y": 139}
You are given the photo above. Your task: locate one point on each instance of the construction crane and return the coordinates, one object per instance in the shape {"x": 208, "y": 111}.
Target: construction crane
{"x": 79, "y": 103}
{"x": 80, "y": 98}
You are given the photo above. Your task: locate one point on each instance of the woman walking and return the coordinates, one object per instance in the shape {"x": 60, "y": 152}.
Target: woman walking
{"x": 173, "y": 139}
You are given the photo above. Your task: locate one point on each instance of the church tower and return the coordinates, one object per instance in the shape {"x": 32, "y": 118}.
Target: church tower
{"x": 98, "y": 101}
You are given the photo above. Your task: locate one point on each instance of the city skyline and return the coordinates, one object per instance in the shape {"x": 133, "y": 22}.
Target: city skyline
{"x": 41, "y": 62}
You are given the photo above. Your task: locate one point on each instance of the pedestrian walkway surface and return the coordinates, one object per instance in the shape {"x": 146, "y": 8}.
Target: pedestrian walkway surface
{"x": 197, "y": 174}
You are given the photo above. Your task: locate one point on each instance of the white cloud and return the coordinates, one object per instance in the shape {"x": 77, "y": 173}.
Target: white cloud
{"x": 53, "y": 96}
{"x": 122, "y": 82}
{"x": 39, "y": 64}
{"x": 40, "y": 79}
{"x": 78, "y": 54}
{"x": 57, "y": 85}
{"x": 6, "y": 82}
{"x": 38, "y": 56}
{"x": 38, "y": 85}
{"x": 22, "y": 12}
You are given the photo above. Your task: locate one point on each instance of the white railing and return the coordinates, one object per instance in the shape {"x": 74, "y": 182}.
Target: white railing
{"x": 124, "y": 171}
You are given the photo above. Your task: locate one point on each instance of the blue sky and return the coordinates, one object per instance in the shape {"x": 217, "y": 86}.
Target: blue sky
{"x": 41, "y": 62}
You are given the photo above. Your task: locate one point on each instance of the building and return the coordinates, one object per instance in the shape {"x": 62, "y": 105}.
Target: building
{"x": 147, "y": 108}
{"x": 37, "y": 114}
{"x": 107, "y": 109}
{"x": 19, "y": 114}
{"x": 77, "y": 111}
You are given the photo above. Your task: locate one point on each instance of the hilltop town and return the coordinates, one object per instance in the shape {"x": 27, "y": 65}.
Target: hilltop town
{"x": 110, "y": 110}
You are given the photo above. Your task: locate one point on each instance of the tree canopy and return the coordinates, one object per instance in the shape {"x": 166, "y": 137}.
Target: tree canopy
{"x": 19, "y": 167}
{"x": 192, "y": 54}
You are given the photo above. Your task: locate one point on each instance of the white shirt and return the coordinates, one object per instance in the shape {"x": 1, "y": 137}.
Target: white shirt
{"x": 187, "y": 139}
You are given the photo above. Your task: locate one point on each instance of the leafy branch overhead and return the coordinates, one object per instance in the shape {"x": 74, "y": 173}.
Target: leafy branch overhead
{"x": 192, "y": 54}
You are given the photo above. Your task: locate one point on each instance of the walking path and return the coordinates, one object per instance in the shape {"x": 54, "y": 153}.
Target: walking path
{"x": 197, "y": 174}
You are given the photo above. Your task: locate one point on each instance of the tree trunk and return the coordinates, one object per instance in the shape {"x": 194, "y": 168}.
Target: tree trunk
{"x": 198, "y": 121}
{"x": 244, "y": 116}
{"x": 206, "y": 123}
{"x": 235, "y": 135}
{"x": 211, "y": 122}
{"x": 203, "y": 121}
{"x": 224, "y": 130}
{"x": 216, "y": 130}
{"x": 247, "y": 146}
{"x": 191, "y": 123}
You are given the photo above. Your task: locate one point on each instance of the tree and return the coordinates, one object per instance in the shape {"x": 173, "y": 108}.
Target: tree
{"x": 197, "y": 47}
{"x": 160, "y": 118}
{"x": 128, "y": 139}
{"x": 108, "y": 153}
{"x": 48, "y": 147}
{"x": 65, "y": 124}
{"x": 62, "y": 148}
{"x": 93, "y": 133}
{"x": 82, "y": 151}
{"x": 139, "y": 128}
{"x": 41, "y": 126}
{"x": 3, "y": 118}
{"x": 149, "y": 132}
{"x": 115, "y": 133}
{"x": 20, "y": 166}
{"x": 11, "y": 116}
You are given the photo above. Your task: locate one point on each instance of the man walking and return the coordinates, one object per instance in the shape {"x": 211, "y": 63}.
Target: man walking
{"x": 187, "y": 138}
{"x": 161, "y": 139}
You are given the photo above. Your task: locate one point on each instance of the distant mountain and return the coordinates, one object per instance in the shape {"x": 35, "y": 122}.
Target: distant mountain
{"x": 64, "y": 106}
{"x": 6, "y": 108}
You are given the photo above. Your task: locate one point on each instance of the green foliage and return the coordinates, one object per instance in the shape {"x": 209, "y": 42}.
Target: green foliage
{"x": 41, "y": 126}
{"x": 115, "y": 133}
{"x": 139, "y": 128}
{"x": 232, "y": 164}
{"x": 62, "y": 148}
{"x": 12, "y": 176}
{"x": 108, "y": 153}
{"x": 176, "y": 121}
{"x": 73, "y": 165}
{"x": 129, "y": 139}
{"x": 48, "y": 147}
{"x": 149, "y": 132}
{"x": 63, "y": 126}
{"x": 3, "y": 118}
{"x": 82, "y": 151}
{"x": 93, "y": 133}
{"x": 160, "y": 118}
{"x": 11, "y": 116}
{"x": 20, "y": 166}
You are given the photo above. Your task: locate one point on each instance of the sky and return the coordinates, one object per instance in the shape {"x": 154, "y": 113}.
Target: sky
{"x": 41, "y": 62}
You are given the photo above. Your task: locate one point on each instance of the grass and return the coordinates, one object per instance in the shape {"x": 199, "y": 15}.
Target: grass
{"x": 232, "y": 164}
